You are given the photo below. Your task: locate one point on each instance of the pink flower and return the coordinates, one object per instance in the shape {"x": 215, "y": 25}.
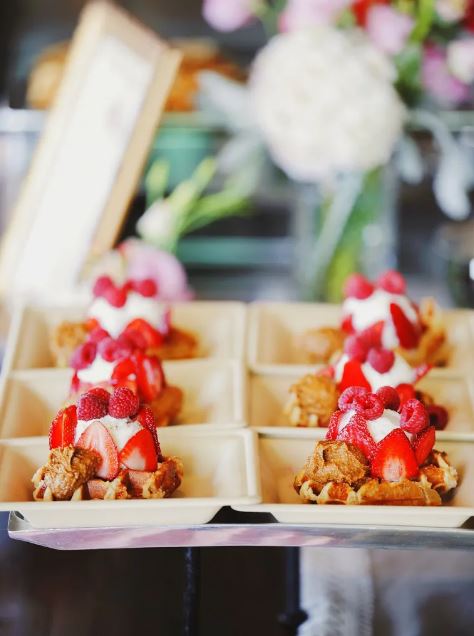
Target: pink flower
{"x": 228, "y": 15}
{"x": 461, "y": 59}
{"x": 388, "y": 28}
{"x": 145, "y": 261}
{"x": 437, "y": 79}
{"x": 300, "y": 14}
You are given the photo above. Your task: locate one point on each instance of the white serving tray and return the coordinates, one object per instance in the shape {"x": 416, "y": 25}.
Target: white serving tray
{"x": 269, "y": 393}
{"x": 220, "y": 469}
{"x": 273, "y": 330}
{"x": 219, "y": 326}
{"x": 214, "y": 395}
{"x": 282, "y": 457}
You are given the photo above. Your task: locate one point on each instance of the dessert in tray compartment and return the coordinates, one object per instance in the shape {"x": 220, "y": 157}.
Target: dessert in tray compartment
{"x": 374, "y": 454}
{"x": 121, "y": 362}
{"x": 106, "y": 447}
{"x": 131, "y": 307}
{"x": 417, "y": 333}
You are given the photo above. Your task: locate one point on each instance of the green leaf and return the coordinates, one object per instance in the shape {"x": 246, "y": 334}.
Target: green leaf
{"x": 424, "y": 19}
{"x": 156, "y": 181}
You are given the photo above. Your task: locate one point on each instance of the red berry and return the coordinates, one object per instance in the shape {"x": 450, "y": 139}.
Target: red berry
{"x": 355, "y": 348}
{"x": 150, "y": 376}
{"x": 357, "y": 433}
{"x": 423, "y": 444}
{"x": 369, "y": 406}
{"x": 333, "y": 426}
{"x": 357, "y": 286}
{"x": 139, "y": 453}
{"x": 147, "y": 420}
{"x": 107, "y": 348}
{"x": 91, "y": 407}
{"x": 413, "y": 416}
{"x": 422, "y": 370}
{"x": 63, "y": 428}
{"x": 346, "y": 399}
{"x": 405, "y": 392}
{"x": 346, "y": 324}
{"x": 408, "y": 334}
{"x": 146, "y": 287}
{"x": 372, "y": 336}
{"x": 101, "y": 285}
{"x": 83, "y": 356}
{"x": 394, "y": 458}
{"x": 389, "y": 397}
{"x": 381, "y": 359}
{"x": 124, "y": 347}
{"x": 97, "y": 335}
{"x": 123, "y": 403}
{"x": 392, "y": 282}
{"x": 100, "y": 393}
{"x": 152, "y": 336}
{"x": 353, "y": 376}
{"x": 97, "y": 438}
{"x": 438, "y": 416}
{"x": 137, "y": 338}
{"x": 116, "y": 296}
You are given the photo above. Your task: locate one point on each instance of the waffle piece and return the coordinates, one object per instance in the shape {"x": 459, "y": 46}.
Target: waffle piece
{"x": 67, "y": 470}
{"x": 321, "y": 345}
{"x": 178, "y": 345}
{"x": 167, "y": 405}
{"x": 313, "y": 400}
{"x": 399, "y": 493}
{"x": 433, "y": 347}
{"x": 159, "y": 484}
{"x": 65, "y": 339}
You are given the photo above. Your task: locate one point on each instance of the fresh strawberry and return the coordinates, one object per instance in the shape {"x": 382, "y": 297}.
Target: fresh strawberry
{"x": 152, "y": 336}
{"x": 413, "y": 416}
{"x": 355, "y": 348}
{"x": 346, "y": 324}
{"x": 147, "y": 420}
{"x": 146, "y": 287}
{"x": 138, "y": 340}
{"x": 101, "y": 285}
{"x": 389, "y": 397}
{"x": 333, "y": 426}
{"x": 357, "y": 433}
{"x": 408, "y": 334}
{"x": 392, "y": 282}
{"x": 347, "y": 397}
{"x": 423, "y": 444}
{"x": 91, "y": 407}
{"x": 381, "y": 360}
{"x": 357, "y": 286}
{"x": 97, "y": 334}
{"x": 368, "y": 405}
{"x": 124, "y": 369}
{"x": 97, "y": 438}
{"x": 353, "y": 376}
{"x": 394, "y": 458}
{"x": 405, "y": 392}
{"x": 63, "y": 428}
{"x": 438, "y": 416}
{"x": 115, "y": 296}
{"x": 372, "y": 336}
{"x": 123, "y": 403}
{"x": 107, "y": 349}
{"x": 139, "y": 453}
{"x": 83, "y": 356}
{"x": 150, "y": 377}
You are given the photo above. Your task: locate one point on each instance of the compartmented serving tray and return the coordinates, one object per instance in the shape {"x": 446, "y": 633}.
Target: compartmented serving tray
{"x": 220, "y": 469}
{"x": 219, "y": 326}
{"x": 274, "y": 328}
{"x": 282, "y": 456}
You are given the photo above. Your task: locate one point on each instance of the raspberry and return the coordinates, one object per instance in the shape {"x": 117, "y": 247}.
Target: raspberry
{"x": 372, "y": 336}
{"x": 405, "y": 392}
{"x": 83, "y": 356}
{"x": 333, "y": 426}
{"x": 137, "y": 339}
{"x": 368, "y": 405}
{"x": 357, "y": 433}
{"x": 100, "y": 393}
{"x": 389, "y": 397}
{"x": 392, "y": 282}
{"x": 355, "y": 348}
{"x": 357, "y": 286}
{"x": 346, "y": 399}
{"x": 438, "y": 416}
{"x": 101, "y": 285}
{"x": 146, "y": 287}
{"x": 97, "y": 334}
{"x": 123, "y": 403}
{"x": 381, "y": 359}
{"x": 124, "y": 345}
{"x": 116, "y": 296}
{"x": 413, "y": 417}
{"x": 107, "y": 348}
{"x": 91, "y": 407}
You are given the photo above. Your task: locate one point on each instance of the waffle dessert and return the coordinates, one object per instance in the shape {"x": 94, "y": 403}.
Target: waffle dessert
{"x": 375, "y": 455}
{"x": 384, "y": 311}
{"x": 106, "y": 447}
{"x": 132, "y": 309}
{"x": 107, "y": 362}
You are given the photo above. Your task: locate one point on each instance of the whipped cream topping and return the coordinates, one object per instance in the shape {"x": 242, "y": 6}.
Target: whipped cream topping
{"x": 99, "y": 371}
{"x": 379, "y": 428}
{"x": 400, "y": 373}
{"x": 115, "y": 319}
{"x": 120, "y": 429}
{"x": 376, "y": 308}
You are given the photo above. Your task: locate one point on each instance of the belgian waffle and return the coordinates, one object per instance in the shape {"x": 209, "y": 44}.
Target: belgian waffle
{"x": 321, "y": 345}
{"x": 313, "y": 400}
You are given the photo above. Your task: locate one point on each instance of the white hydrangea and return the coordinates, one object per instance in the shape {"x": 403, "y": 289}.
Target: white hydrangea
{"x": 325, "y": 103}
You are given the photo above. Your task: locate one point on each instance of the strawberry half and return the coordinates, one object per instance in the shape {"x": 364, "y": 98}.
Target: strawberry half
{"x": 63, "y": 428}
{"x": 97, "y": 438}
{"x": 423, "y": 444}
{"x": 407, "y": 333}
{"x": 394, "y": 458}
{"x": 139, "y": 453}
{"x": 353, "y": 376}
{"x": 357, "y": 433}
{"x": 147, "y": 420}
{"x": 150, "y": 376}
{"x": 151, "y": 336}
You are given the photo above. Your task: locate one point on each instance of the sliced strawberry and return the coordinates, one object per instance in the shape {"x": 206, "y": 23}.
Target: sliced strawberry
{"x": 147, "y": 420}
{"x": 97, "y": 438}
{"x": 63, "y": 428}
{"x": 151, "y": 335}
{"x": 353, "y": 376}
{"x": 346, "y": 324}
{"x": 150, "y": 376}
{"x": 124, "y": 369}
{"x": 422, "y": 370}
{"x": 394, "y": 458}
{"x": 423, "y": 444}
{"x": 139, "y": 453}
{"x": 333, "y": 426}
{"x": 357, "y": 433}
{"x": 405, "y": 392}
{"x": 407, "y": 332}
{"x": 372, "y": 336}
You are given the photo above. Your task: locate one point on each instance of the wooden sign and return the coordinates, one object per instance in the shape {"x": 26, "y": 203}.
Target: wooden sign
{"x": 91, "y": 154}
